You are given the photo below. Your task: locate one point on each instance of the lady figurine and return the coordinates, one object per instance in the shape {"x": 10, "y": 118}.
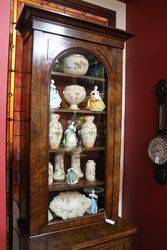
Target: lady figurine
{"x": 93, "y": 209}
{"x": 95, "y": 101}
{"x": 59, "y": 174}
{"x": 70, "y": 139}
{"x": 55, "y": 131}
{"x": 55, "y": 99}
{"x": 72, "y": 177}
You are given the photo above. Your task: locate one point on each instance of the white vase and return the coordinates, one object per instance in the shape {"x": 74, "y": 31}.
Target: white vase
{"x": 90, "y": 170}
{"x": 88, "y": 132}
{"x": 50, "y": 173}
{"x": 59, "y": 174}
{"x": 55, "y": 131}
{"x": 74, "y": 95}
{"x": 76, "y": 164}
{"x": 75, "y": 64}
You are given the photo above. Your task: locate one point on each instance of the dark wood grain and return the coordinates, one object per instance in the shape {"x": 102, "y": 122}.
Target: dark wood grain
{"x": 57, "y": 186}
{"x": 49, "y": 36}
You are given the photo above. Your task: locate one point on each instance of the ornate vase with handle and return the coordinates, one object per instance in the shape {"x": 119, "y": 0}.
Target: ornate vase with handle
{"x": 88, "y": 132}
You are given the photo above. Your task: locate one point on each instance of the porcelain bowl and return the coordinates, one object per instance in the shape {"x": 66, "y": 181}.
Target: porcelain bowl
{"x": 74, "y": 95}
{"x": 75, "y": 64}
{"x": 68, "y": 205}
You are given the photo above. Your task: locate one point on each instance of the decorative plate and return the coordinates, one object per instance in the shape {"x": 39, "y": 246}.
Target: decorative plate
{"x": 157, "y": 149}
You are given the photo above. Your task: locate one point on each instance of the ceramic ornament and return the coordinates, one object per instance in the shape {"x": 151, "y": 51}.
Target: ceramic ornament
{"x": 71, "y": 177}
{"x": 89, "y": 132}
{"x": 59, "y": 174}
{"x": 50, "y": 173}
{"x": 95, "y": 101}
{"x": 76, "y": 163}
{"x": 70, "y": 139}
{"x": 69, "y": 205}
{"x": 74, "y": 95}
{"x": 75, "y": 64}
{"x": 55, "y": 99}
{"x": 55, "y": 131}
{"x": 93, "y": 209}
{"x": 90, "y": 170}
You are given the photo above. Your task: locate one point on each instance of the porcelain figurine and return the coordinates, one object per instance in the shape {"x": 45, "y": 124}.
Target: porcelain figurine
{"x": 95, "y": 101}
{"x": 76, "y": 162}
{"x": 50, "y": 173}
{"x": 89, "y": 132}
{"x": 90, "y": 170}
{"x": 93, "y": 209}
{"x": 59, "y": 174}
{"x": 55, "y": 99}
{"x": 74, "y": 95}
{"x": 55, "y": 131}
{"x": 71, "y": 177}
{"x": 69, "y": 205}
{"x": 70, "y": 139}
{"x": 75, "y": 64}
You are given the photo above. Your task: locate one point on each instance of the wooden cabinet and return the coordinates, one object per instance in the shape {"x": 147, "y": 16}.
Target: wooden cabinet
{"x": 49, "y": 38}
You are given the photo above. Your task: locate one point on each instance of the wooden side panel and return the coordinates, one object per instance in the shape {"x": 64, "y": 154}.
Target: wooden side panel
{"x": 25, "y": 133}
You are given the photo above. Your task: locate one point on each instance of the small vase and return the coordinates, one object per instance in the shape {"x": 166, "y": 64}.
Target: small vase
{"x": 59, "y": 174}
{"x": 55, "y": 131}
{"x": 76, "y": 164}
{"x": 50, "y": 173}
{"x": 88, "y": 132}
{"x": 90, "y": 170}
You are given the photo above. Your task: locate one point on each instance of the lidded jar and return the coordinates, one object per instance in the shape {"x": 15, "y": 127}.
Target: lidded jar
{"x": 55, "y": 131}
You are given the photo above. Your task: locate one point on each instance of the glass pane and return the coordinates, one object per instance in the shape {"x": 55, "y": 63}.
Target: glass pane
{"x": 77, "y": 136}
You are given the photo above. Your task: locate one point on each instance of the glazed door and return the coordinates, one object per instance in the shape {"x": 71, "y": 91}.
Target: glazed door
{"x": 73, "y": 72}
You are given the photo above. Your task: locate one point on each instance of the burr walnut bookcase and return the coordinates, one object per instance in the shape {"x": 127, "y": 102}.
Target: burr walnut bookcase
{"x": 49, "y": 37}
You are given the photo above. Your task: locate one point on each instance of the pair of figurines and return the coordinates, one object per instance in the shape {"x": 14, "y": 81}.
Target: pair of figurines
{"x": 72, "y": 95}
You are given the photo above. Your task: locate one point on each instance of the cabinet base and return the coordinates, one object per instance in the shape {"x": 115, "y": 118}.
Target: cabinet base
{"x": 94, "y": 236}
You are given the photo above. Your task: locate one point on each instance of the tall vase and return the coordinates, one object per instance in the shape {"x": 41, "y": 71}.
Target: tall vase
{"x": 76, "y": 164}
{"x": 55, "y": 131}
{"x": 89, "y": 132}
{"x": 59, "y": 174}
{"x": 90, "y": 174}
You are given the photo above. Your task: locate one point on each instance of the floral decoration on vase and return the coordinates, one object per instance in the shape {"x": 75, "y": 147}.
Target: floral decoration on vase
{"x": 75, "y": 64}
{"x": 50, "y": 173}
{"x": 90, "y": 170}
{"x": 74, "y": 95}
{"x": 59, "y": 174}
{"x": 89, "y": 132}
{"x": 55, "y": 131}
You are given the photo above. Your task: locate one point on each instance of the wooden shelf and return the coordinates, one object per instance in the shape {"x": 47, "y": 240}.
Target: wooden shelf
{"x": 61, "y": 186}
{"x": 80, "y": 111}
{"x": 85, "y": 78}
{"x": 63, "y": 150}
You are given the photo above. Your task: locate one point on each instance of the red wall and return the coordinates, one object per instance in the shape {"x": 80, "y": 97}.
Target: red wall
{"x": 4, "y": 36}
{"x": 144, "y": 201}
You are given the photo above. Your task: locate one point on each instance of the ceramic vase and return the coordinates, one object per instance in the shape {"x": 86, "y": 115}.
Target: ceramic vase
{"x": 75, "y": 64}
{"x": 76, "y": 164}
{"x": 88, "y": 132}
{"x": 59, "y": 174}
{"x": 74, "y": 95}
{"x": 55, "y": 131}
{"x": 50, "y": 173}
{"x": 90, "y": 170}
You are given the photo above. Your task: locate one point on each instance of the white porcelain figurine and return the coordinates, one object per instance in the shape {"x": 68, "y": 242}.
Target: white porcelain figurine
{"x": 55, "y": 99}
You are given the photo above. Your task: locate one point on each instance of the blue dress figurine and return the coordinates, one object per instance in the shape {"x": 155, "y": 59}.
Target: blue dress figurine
{"x": 93, "y": 209}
